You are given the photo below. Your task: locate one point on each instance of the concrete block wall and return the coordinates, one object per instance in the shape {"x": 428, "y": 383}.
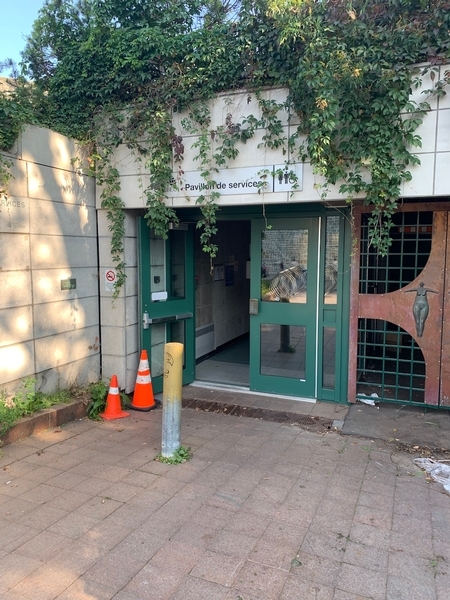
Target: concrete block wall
{"x": 48, "y": 236}
{"x": 119, "y": 317}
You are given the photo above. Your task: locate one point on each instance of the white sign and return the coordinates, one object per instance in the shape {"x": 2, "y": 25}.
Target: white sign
{"x": 110, "y": 279}
{"x": 246, "y": 180}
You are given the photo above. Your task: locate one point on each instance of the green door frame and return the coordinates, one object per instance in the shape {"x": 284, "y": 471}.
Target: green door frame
{"x": 284, "y": 314}
{"x": 327, "y": 316}
{"x": 171, "y": 311}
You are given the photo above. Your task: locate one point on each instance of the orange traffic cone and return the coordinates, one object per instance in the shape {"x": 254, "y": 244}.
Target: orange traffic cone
{"x": 113, "y": 408}
{"x": 143, "y": 398}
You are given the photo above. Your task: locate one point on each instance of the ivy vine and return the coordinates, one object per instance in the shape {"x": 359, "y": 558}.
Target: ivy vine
{"x": 111, "y": 73}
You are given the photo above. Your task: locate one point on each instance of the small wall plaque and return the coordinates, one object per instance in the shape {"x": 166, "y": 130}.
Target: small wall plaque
{"x": 68, "y": 284}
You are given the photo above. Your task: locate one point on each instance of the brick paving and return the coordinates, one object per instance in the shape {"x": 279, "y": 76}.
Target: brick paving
{"x": 263, "y": 511}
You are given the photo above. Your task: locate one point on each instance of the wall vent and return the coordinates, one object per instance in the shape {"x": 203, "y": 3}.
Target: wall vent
{"x": 204, "y": 340}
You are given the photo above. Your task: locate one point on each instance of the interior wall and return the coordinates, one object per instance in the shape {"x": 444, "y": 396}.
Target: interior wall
{"x": 222, "y": 296}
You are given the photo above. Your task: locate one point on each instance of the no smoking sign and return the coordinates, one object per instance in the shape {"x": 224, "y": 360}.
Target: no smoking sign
{"x": 110, "y": 279}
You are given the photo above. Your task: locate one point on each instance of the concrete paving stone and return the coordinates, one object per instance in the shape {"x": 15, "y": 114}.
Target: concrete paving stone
{"x": 370, "y": 535}
{"x": 264, "y": 506}
{"x": 85, "y": 589}
{"x": 129, "y": 516}
{"x": 123, "y": 595}
{"x": 67, "y": 480}
{"x": 231, "y": 543}
{"x": 218, "y": 568}
{"x": 91, "y": 485}
{"x": 416, "y": 544}
{"x": 78, "y": 556}
{"x": 400, "y": 589}
{"x": 383, "y": 502}
{"x": 138, "y": 458}
{"x": 116, "y": 570}
{"x": 231, "y": 501}
{"x": 140, "y": 544}
{"x": 154, "y": 583}
{"x": 331, "y": 523}
{"x": 216, "y": 474}
{"x": 361, "y": 581}
{"x": 295, "y": 513}
{"x": 365, "y": 556}
{"x": 148, "y": 499}
{"x": 195, "y": 534}
{"x": 107, "y": 534}
{"x": 381, "y": 519}
{"x": 166, "y": 485}
{"x": 43, "y": 474}
{"x": 270, "y": 492}
{"x": 45, "y": 583}
{"x": 16, "y": 486}
{"x": 155, "y": 467}
{"x": 73, "y": 526}
{"x": 69, "y": 500}
{"x": 341, "y": 595}
{"x": 315, "y": 569}
{"x": 178, "y": 556}
{"x": 60, "y": 449}
{"x": 63, "y": 463}
{"x": 15, "y": 469}
{"x": 261, "y": 580}
{"x": 377, "y": 486}
{"x": 403, "y": 523}
{"x": 421, "y": 571}
{"x": 246, "y": 523}
{"x": 296, "y": 589}
{"x": 98, "y": 507}
{"x": 212, "y": 516}
{"x": 41, "y": 493}
{"x": 14, "y": 567}
{"x": 193, "y": 589}
{"x": 14, "y": 452}
{"x": 120, "y": 492}
{"x": 16, "y": 508}
{"x": 43, "y": 516}
{"x": 331, "y": 546}
{"x": 274, "y": 553}
{"x": 44, "y": 545}
{"x": 4, "y": 499}
{"x": 112, "y": 473}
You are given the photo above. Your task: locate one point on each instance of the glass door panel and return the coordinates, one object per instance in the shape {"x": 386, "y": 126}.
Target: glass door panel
{"x": 284, "y": 286}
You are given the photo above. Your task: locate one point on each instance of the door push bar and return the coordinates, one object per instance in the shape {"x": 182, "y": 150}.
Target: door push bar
{"x": 147, "y": 321}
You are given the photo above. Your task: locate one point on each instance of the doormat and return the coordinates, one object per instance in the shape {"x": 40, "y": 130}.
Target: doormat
{"x": 311, "y": 423}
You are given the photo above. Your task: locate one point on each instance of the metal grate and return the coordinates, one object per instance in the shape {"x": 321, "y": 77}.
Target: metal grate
{"x": 390, "y": 363}
{"x": 408, "y": 253}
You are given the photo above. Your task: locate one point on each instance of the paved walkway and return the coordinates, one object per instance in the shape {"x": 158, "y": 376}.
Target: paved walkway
{"x": 263, "y": 511}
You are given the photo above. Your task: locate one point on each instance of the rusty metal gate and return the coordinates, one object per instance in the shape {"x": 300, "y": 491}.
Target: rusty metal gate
{"x": 400, "y": 309}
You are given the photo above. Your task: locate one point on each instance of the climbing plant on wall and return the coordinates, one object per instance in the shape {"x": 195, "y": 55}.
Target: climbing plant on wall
{"x": 111, "y": 72}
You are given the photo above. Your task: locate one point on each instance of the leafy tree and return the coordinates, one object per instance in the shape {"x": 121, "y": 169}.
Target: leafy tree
{"x": 347, "y": 66}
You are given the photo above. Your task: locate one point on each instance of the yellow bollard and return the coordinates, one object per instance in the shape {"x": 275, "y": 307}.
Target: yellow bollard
{"x": 171, "y": 408}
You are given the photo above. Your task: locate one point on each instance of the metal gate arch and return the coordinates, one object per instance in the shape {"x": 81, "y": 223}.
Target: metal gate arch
{"x": 428, "y": 293}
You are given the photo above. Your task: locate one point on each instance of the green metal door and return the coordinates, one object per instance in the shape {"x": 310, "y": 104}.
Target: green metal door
{"x": 284, "y": 307}
{"x": 167, "y": 298}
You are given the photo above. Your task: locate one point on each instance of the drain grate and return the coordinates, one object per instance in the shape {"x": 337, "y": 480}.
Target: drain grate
{"x": 306, "y": 421}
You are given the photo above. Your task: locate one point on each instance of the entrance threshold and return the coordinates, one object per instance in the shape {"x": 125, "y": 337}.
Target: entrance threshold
{"x": 245, "y": 390}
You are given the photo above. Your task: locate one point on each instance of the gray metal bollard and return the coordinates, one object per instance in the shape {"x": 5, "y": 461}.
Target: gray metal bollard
{"x": 171, "y": 407}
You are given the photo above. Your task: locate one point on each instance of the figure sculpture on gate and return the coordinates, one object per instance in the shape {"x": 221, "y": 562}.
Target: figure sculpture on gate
{"x": 420, "y": 306}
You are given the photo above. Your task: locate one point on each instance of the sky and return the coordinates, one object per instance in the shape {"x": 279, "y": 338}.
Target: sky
{"x": 17, "y": 17}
